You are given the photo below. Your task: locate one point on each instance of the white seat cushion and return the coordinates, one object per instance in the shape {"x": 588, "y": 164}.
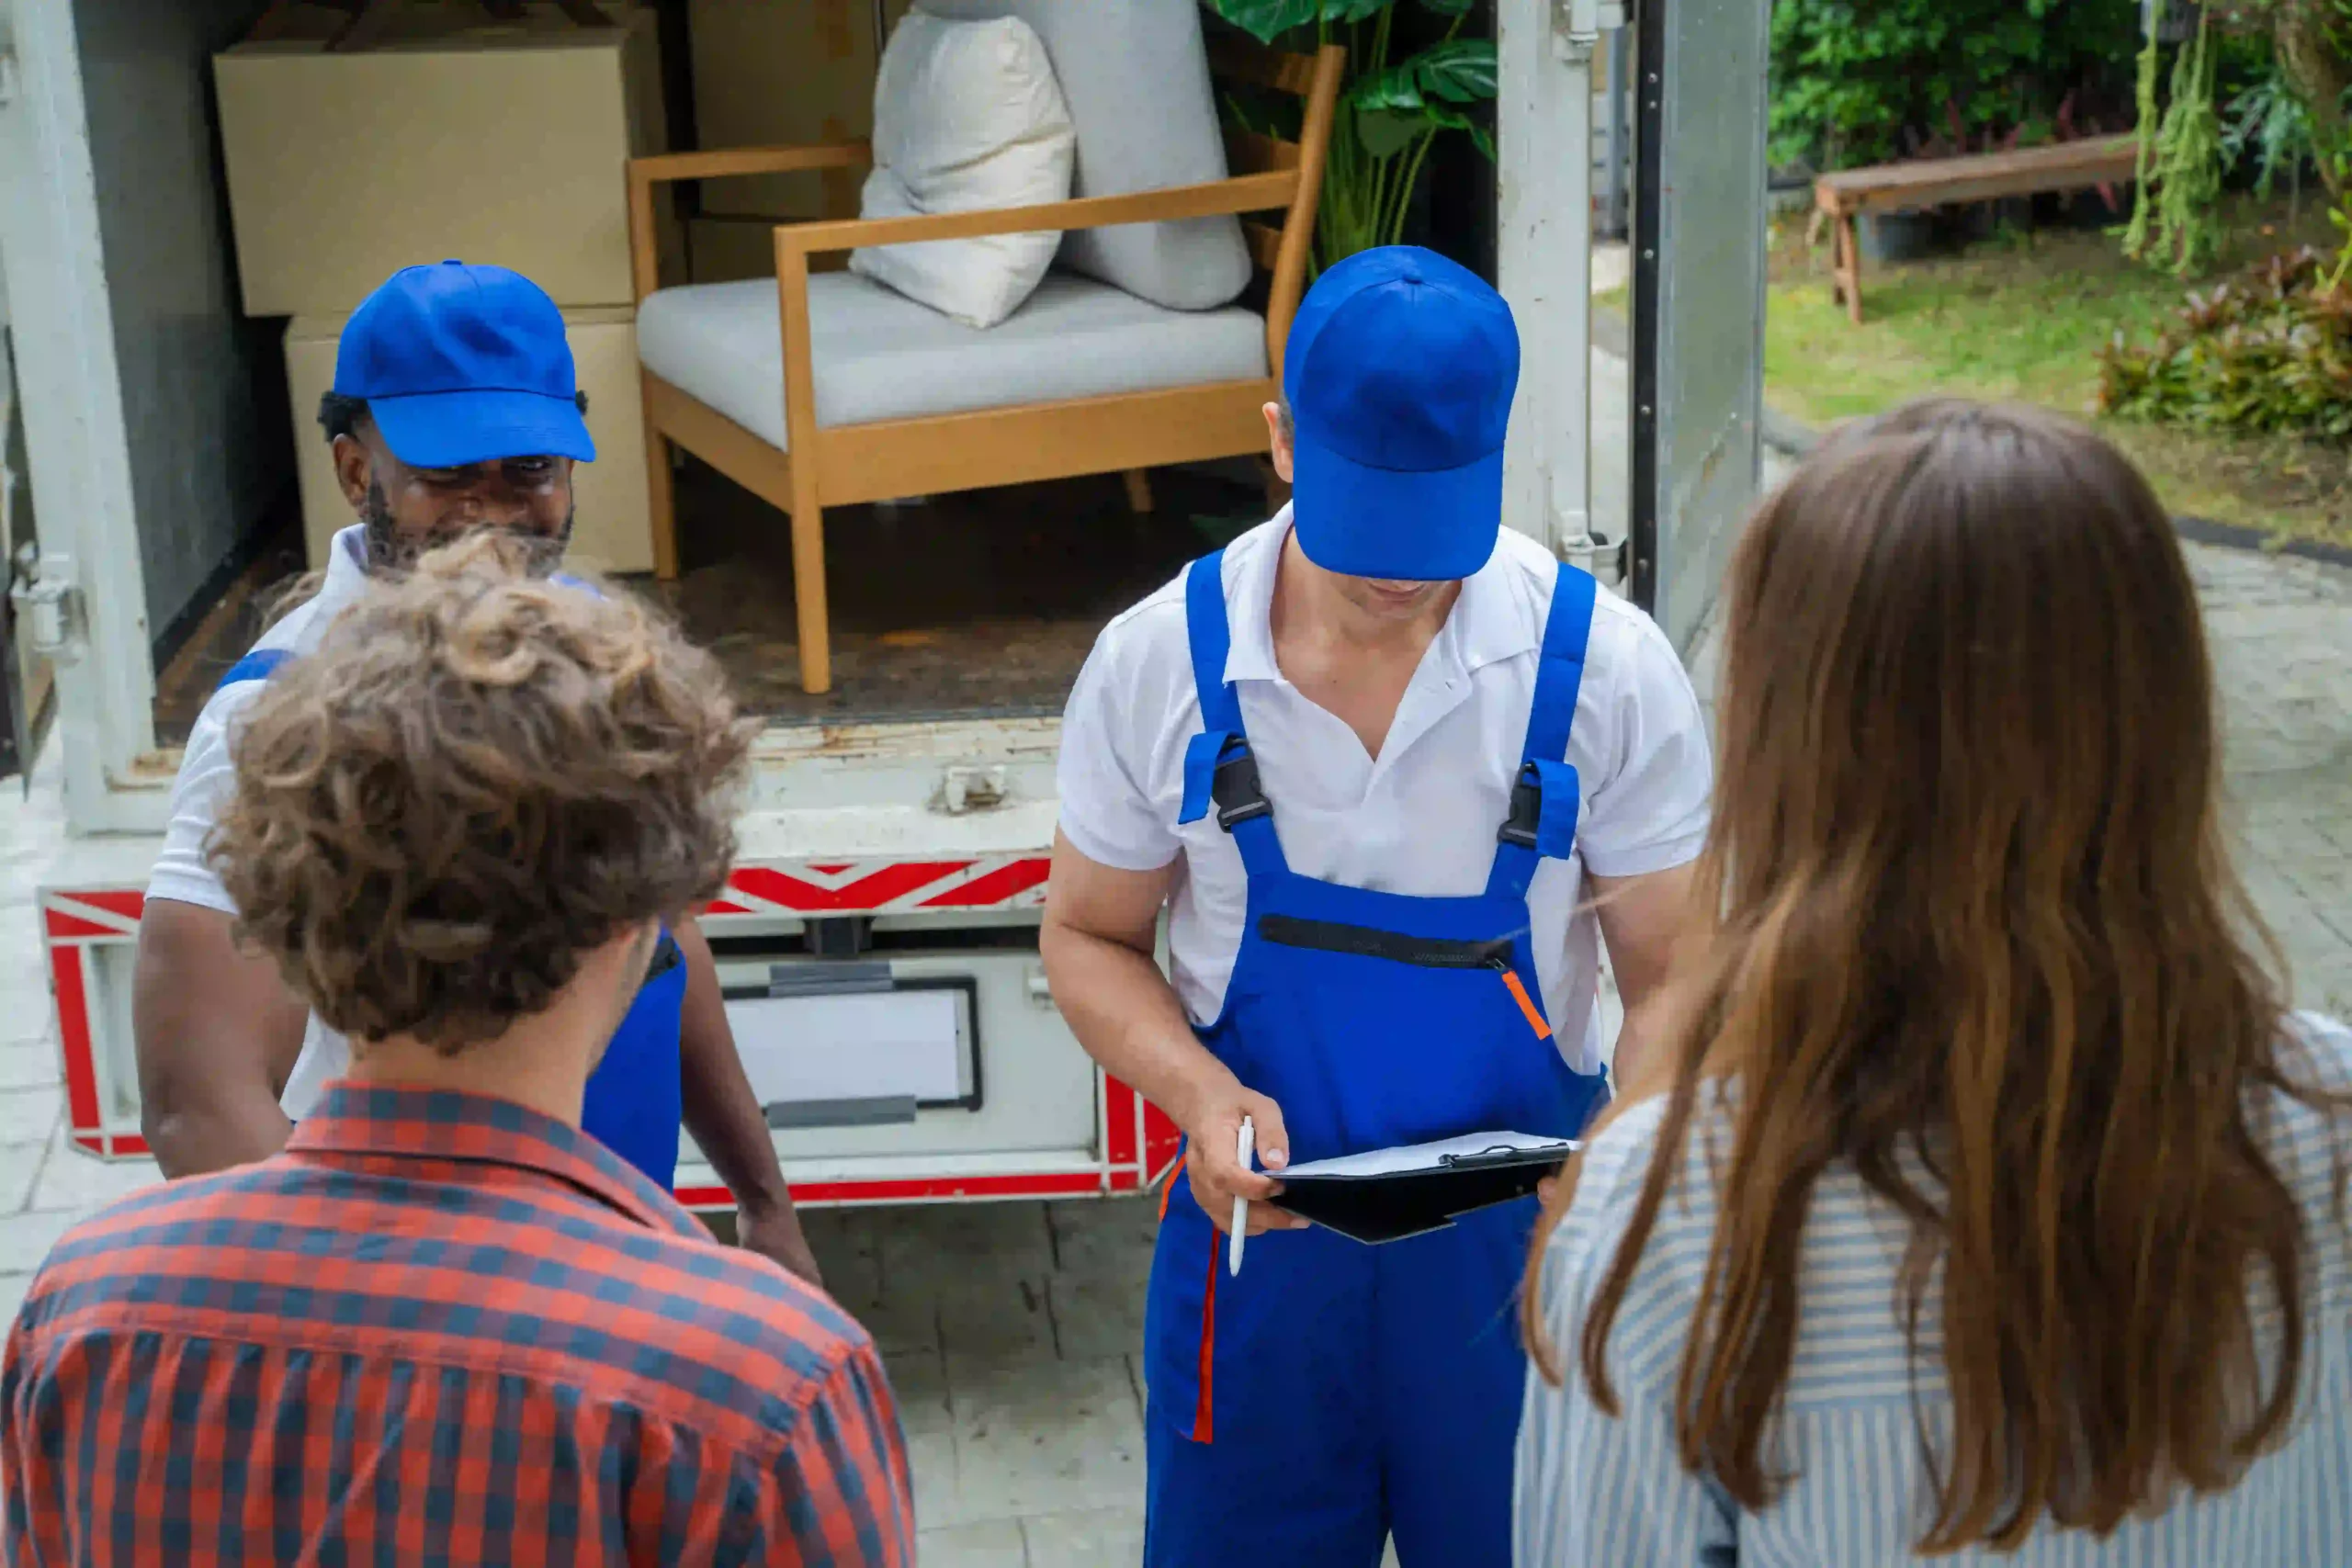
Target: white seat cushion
{"x": 966, "y": 116}
{"x": 879, "y": 355}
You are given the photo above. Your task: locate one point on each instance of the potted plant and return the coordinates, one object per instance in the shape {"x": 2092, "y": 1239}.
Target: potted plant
{"x": 1390, "y": 111}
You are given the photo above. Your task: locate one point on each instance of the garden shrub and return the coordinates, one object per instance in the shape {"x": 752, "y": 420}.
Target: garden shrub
{"x": 2268, "y": 352}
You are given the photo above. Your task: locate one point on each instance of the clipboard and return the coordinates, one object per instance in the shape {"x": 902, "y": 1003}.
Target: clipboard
{"x": 1386, "y": 1195}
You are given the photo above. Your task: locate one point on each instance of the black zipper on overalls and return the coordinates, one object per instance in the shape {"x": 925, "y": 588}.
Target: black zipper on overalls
{"x": 1421, "y": 952}
{"x": 1364, "y": 942}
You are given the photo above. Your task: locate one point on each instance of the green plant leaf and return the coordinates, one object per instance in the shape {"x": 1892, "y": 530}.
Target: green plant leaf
{"x": 1384, "y": 134}
{"x": 1461, "y": 70}
{"x": 1454, "y": 120}
{"x": 1449, "y": 8}
{"x": 1397, "y": 90}
{"x": 1352, "y": 10}
{"x": 1268, "y": 19}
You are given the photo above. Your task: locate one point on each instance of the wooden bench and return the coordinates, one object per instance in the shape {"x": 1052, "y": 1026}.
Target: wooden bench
{"x": 1900, "y": 188}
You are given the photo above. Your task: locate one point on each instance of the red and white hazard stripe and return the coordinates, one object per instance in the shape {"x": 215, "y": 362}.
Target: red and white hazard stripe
{"x": 1135, "y": 1145}
{"x": 883, "y": 887}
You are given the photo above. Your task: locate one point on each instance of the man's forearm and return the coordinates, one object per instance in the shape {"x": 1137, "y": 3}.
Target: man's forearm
{"x": 216, "y": 1034}
{"x": 1643, "y": 919}
{"x": 1636, "y": 1046}
{"x": 232, "y": 1123}
{"x": 721, "y": 1110}
{"x": 729, "y": 1126}
{"x": 1127, "y": 1016}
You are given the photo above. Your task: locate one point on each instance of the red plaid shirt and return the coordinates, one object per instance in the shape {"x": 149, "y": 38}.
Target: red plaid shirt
{"x": 438, "y": 1329}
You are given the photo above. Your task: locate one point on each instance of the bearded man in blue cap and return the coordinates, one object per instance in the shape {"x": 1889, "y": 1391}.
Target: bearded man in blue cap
{"x": 1367, "y": 757}
{"x": 456, "y": 407}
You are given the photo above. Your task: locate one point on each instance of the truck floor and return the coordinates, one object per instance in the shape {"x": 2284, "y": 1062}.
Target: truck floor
{"x": 960, "y": 606}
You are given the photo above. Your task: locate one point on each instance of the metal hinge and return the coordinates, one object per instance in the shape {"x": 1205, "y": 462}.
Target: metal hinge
{"x": 1595, "y": 553}
{"x": 1576, "y": 25}
{"x": 968, "y": 789}
{"x": 48, "y": 603}
{"x": 1568, "y": 530}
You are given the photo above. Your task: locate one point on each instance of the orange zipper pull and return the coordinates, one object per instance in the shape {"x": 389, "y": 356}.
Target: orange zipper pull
{"x": 1527, "y": 1005}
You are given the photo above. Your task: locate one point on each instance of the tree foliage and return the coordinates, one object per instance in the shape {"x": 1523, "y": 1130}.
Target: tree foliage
{"x": 1861, "y": 81}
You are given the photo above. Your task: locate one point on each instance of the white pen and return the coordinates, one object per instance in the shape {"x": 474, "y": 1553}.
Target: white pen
{"x": 1240, "y": 1205}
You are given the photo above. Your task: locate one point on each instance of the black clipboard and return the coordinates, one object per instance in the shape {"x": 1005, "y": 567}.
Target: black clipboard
{"x": 1425, "y": 1188}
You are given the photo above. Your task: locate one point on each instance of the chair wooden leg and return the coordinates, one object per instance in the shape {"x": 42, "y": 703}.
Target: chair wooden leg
{"x": 815, "y": 634}
{"x": 662, "y": 498}
{"x": 1140, "y": 491}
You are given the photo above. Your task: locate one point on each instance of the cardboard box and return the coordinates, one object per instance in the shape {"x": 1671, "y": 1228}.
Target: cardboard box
{"x": 611, "y": 529}
{"x": 784, "y": 74}
{"x": 453, "y": 135}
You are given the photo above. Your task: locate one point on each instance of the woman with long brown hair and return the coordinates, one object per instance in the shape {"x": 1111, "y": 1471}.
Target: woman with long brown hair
{"x": 1991, "y": 1202}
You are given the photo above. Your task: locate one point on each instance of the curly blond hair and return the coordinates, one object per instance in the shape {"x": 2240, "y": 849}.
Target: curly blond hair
{"x": 475, "y": 779}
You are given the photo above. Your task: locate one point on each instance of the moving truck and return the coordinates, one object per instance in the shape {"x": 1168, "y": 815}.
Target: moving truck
{"x": 879, "y": 938}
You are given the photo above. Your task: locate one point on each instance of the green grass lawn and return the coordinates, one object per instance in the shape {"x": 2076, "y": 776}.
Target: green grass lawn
{"x": 2021, "y": 316}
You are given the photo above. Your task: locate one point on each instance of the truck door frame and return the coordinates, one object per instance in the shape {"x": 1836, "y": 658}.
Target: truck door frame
{"x": 77, "y": 445}
{"x": 1699, "y": 245}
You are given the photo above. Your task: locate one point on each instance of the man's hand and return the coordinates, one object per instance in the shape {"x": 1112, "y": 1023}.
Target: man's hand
{"x": 1097, "y": 943}
{"x": 775, "y": 1233}
{"x": 1214, "y": 1127}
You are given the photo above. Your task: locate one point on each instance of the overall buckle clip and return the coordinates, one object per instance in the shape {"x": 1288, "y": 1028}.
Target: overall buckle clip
{"x": 1526, "y": 809}
{"x": 1234, "y": 787}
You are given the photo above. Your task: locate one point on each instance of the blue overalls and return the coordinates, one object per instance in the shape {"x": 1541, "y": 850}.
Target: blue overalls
{"x": 634, "y": 1101}
{"x": 1332, "y": 1392}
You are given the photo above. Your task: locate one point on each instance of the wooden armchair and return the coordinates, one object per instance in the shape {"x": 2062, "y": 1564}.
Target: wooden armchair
{"x": 858, "y": 352}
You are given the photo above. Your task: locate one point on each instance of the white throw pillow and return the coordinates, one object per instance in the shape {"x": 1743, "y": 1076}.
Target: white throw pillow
{"x": 967, "y": 115}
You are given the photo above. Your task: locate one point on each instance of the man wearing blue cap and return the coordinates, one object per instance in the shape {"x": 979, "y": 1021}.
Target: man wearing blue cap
{"x": 455, "y": 407}
{"x": 1366, "y": 756}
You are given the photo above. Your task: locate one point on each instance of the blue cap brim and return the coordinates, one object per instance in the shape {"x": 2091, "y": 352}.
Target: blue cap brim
{"x": 1403, "y": 526}
{"x": 450, "y": 429}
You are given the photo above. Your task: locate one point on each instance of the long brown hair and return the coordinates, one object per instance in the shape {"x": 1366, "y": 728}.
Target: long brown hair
{"x": 1980, "y": 942}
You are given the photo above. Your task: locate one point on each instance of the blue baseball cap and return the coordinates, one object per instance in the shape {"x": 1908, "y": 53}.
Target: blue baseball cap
{"x": 464, "y": 364}
{"x": 1400, "y": 371}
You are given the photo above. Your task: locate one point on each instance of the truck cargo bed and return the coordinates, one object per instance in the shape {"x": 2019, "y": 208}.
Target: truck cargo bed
{"x": 980, "y": 605}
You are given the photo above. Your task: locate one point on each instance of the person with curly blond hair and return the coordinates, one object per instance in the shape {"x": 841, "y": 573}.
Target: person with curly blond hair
{"x": 444, "y": 1325}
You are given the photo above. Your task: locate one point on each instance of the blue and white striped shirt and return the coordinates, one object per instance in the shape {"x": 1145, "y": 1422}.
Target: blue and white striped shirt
{"x": 1596, "y": 1490}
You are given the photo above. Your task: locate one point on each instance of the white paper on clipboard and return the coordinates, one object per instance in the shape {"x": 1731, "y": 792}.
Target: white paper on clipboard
{"x": 855, "y": 1045}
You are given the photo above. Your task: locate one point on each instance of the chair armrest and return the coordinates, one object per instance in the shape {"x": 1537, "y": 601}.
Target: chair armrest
{"x": 1244, "y": 193}
{"x": 644, "y": 174}
{"x": 727, "y": 162}
{"x": 795, "y": 243}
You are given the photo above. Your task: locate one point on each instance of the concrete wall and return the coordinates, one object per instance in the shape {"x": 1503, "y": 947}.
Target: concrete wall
{"x": 201, "y": 386}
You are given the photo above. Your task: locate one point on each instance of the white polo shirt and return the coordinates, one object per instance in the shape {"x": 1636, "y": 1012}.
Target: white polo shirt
{"x": 207, "y": 781}
{"x": 1421, "y": 820}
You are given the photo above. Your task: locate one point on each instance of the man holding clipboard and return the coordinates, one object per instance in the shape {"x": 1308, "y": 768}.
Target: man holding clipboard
{"x": 1365, "y": 757}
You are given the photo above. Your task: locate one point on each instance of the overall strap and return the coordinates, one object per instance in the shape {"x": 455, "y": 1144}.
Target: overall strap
{"x": 1545, "y": 797}
{"x": 258, "y": 665}
{"x": 1218, "y": 767}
